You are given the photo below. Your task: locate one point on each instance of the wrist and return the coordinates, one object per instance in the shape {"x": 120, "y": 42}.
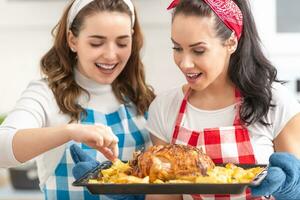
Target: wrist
{"x": 69, "y": 131}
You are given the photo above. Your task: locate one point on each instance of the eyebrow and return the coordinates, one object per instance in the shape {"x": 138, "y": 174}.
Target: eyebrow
{"x": 103, "y": 37}
{"x": 192, "y": 45}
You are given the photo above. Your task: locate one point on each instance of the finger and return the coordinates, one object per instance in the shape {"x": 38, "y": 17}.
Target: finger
{"x": 99, "y": 141}
{"x": 107, "y": 153}
{"x": 95, "y": 137}
{"x": 100, "y": 125}
{"x": 115, "y": 150}
{"x": 110, "y": 140}
{"x": 113, "y": 146}
{"x": 110, "y": 132}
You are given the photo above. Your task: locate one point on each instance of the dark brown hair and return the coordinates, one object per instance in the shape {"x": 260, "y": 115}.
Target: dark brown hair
{"x": 57, "y": 64}
{"x": 249, "y": 69}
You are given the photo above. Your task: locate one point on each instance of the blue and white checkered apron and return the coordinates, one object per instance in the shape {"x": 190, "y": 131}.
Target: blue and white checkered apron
{"x": 125, "y": 124}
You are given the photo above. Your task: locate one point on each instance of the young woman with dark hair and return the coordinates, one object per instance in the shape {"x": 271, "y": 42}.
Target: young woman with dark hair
{"x": 93, "y": 93}
{"x": 233, "y": 106}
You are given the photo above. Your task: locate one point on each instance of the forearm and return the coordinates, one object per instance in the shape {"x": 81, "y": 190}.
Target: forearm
{"x": 29, "y": 143}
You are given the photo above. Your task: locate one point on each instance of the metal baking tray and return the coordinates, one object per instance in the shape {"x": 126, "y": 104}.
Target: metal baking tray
{"x": 166, "y": 188}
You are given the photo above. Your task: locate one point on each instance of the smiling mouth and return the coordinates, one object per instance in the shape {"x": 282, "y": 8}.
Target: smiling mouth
{"x": 106, "y": 67}
{"x": 193, "y": 76}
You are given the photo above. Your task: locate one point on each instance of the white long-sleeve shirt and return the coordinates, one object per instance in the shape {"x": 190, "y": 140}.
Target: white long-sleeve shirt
{"x": 37, "y": 108}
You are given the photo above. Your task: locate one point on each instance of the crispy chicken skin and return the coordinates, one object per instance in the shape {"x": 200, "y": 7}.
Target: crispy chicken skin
{"x": 171, "y": 162}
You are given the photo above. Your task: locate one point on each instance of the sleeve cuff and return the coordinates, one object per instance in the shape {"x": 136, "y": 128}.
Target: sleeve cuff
{"x": 7, "y": 157}
{"x": 159, "y": 136}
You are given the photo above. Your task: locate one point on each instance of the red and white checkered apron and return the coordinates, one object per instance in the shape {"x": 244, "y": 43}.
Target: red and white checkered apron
{"x": 222, "y": 144}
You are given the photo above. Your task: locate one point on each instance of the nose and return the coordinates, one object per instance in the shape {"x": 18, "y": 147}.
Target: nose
{"x": 110, "y": 52}
{"x": 186, "y": 62}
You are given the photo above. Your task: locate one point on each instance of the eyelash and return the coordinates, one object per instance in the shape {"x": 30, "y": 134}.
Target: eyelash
{"x": 122, "y": 45}
{"x": 198, "y": 52}
{"x": 119, "y": 45}
{"x": 96, "y": 45}
{"x": 178, "y": 49}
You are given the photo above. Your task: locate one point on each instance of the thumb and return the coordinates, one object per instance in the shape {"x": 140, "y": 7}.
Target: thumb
{"x": 271, "y": 183}
{"x": 81, "y": 168}
{"x": 287, "y": 162}
{"x": 78, "y": 155}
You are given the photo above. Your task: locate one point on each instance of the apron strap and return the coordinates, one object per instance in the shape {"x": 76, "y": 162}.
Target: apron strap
{"x": 238, "y": 98}
{"x": 183, "y": 105}
{"x": 180, "y": 115}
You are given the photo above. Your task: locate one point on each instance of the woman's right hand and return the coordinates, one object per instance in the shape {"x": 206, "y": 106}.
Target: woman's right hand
{"x": 283, "y": 178}
{"x": 99, "y": 137}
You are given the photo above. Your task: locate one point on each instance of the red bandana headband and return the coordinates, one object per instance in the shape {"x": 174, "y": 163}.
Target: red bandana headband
{"x": 226, "y": 10}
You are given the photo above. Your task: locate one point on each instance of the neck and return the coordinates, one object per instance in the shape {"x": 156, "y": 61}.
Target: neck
{"x": 90, "y": 85}
{"x": 216, "y": 96}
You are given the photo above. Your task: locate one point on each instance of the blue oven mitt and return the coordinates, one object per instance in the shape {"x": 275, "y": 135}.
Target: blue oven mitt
{"x": 84, "y": 164}
{"x": 283, "y": 178}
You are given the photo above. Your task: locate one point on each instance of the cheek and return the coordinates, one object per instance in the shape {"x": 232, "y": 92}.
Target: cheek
{"x": 177, "y": 59}
{"x": 86, "y": 53}
{"x": 125, "y": 54}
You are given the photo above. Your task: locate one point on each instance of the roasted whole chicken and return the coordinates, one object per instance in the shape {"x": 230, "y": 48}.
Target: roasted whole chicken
{"x": 170, "y": 162}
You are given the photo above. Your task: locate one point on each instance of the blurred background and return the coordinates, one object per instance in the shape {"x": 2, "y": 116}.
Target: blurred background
{"x": 25, "y": 27}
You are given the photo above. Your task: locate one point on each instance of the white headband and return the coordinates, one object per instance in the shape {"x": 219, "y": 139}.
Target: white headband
{"x": 79, "y": 4}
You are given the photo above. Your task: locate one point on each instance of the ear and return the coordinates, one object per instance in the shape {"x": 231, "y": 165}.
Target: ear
{"x": 232, "y": 43}
{"x": 72, "y": 41}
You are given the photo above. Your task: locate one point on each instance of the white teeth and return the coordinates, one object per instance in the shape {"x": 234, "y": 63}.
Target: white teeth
{"x": 193, "y": 75}
{"x": 105, "y": 66}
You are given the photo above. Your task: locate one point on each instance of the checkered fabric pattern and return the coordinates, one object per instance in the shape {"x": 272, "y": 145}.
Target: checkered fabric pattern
{"x": 126, "y": 125}
{"x": 222, "y": 144}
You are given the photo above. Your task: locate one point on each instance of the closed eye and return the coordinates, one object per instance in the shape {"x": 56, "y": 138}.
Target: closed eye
{"x": 122, "y": 45}
{"x": 96, "y": 44}
{"x": 198, "y": 52}
{"x": 177, "y": 49}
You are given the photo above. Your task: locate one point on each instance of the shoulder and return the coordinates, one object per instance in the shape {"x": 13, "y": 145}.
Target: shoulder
{"x": 38, "y": 85}
{"x": 282, "y": 96}
{"x": 166, "y": 105}
{"x": 169, "y": 98}
{"x": 37, "y": 88}
{"x": 285, "y": 107}
{"x": 37, "y": 96}
{"x": 163, "y": 112}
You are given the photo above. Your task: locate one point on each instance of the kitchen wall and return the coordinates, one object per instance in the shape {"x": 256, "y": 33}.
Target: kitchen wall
{"x": 25, "y": 27}
{"x": 279, "y": 27}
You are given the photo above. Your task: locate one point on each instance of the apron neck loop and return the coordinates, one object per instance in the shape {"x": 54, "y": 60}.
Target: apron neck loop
{"x": 238, "y": 97}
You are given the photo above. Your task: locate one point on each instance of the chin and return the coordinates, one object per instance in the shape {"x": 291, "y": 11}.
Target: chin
{"x": 197, "y": 87}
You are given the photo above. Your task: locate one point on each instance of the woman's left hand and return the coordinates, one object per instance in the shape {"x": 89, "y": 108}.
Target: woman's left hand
{"x": 283, "y": 178}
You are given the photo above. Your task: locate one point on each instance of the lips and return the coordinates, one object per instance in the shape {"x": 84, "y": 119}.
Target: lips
{"x": 106, "y": 66}
{"x": 193, "y": 77}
